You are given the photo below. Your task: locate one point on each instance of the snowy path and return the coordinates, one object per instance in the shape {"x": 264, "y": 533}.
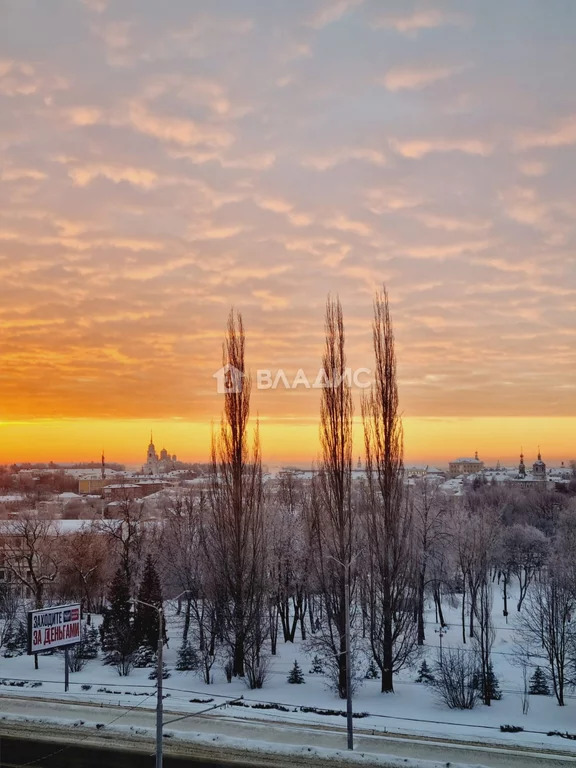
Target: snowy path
{"x": 305, "y": 744}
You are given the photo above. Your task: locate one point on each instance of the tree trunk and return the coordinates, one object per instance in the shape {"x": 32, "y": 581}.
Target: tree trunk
{"x": 420, "y": 609}
{"x": 464, "y": 611}
{"x": 186, "y": 628}
{"x": 438, "y": 604}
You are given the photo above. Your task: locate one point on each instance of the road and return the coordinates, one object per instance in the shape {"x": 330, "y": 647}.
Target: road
{"x": 16, "y": 752}
{"x": 210, "y": 738}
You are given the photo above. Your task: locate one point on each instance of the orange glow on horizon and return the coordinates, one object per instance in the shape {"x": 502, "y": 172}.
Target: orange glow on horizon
{"x": 427, "y": 440}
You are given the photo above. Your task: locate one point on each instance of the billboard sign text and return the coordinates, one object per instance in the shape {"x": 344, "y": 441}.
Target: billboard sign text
{"x": 54, "y": 627}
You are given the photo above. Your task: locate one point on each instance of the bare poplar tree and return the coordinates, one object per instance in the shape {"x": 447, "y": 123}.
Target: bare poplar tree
{"x": 234, "y": 532}
{"x": 485, "y": 636}
{"x": 332, "y": 515}
{"x": 392, "y": 590}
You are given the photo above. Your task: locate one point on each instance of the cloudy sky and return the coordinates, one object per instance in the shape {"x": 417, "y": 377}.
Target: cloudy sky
{"x": 164, "y": 161}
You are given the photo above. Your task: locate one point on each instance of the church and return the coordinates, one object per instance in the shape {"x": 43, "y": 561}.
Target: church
{"x": 538, "y": 470}
{"x": 158, "y": 465}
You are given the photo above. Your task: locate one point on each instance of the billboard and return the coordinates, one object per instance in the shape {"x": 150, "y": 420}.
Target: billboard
{"x": 53, "y": 627}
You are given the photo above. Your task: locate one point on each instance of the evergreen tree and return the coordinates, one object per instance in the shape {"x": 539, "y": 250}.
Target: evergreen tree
{"x": 425, "y": 674}
{"x": 154, "y": 673}
{"x": 539, "y": 684}
{"x": 146, "y": 618}
{"x": 491, "y": 682}
{"x": 144, "y": 657}
{"x": 116, "y": 630}
{"x": 372, "y": 672}
{"x": 493, "y": 685}
{"x": 296, "y": 677}
{"x": 187, "y": 658}
{"x": 89, "y": 644}
{"x": 317, "y": 666}
{"x": 16, "y": 640}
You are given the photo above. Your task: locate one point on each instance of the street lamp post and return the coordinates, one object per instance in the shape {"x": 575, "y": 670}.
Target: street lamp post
{"x": 440, "y": 632}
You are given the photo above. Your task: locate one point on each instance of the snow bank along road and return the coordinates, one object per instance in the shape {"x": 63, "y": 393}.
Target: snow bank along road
{"x": 251, "y": 742}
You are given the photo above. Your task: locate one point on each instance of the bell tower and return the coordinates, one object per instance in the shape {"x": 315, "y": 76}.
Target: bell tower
{"x": 539, "y": 468}
{"x": 151, "y": 466}
{"x": 521, "y": 466}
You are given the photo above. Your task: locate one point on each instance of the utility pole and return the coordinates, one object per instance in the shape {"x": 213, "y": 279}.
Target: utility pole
{"x": 159, "y": 672}
{"x": 349, "y": 721}
{"x": 159, "y": 678}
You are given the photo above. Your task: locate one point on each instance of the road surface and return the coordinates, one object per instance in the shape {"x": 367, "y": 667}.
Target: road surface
{"x": 247, "y": 742}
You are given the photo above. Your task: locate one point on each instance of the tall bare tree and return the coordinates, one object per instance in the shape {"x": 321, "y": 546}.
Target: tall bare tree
{"x": 485, "y": 636}
{"x": 430, "y": 516}
{"x": 234, "y": 533}
{"x": 288, "y": 559}
{"x": 475, "y": 533}
{"x": 127, "y": 537}
{"x": 32, "y": 553}
{"x": 332, "y": 515}
{"x": 85, "y": 571}
{"x": 545, "y": 623}
{"x": 392, "y": 590}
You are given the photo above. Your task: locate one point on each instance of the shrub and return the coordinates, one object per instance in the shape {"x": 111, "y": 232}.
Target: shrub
{"x": 565, "y": 735}
{"x": 257, "y": 668}
{"x": 76, "y": 659}
{"x": 454, "y": 677}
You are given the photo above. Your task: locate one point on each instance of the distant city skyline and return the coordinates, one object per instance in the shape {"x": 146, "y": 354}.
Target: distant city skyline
{"x": 191, "y": 442}
{"x": 164, "y": 162}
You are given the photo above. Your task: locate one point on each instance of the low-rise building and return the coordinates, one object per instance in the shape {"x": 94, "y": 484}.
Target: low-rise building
{"x": 466, "y": 466}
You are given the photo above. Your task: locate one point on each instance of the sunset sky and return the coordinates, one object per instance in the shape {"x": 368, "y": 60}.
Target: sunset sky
{"x": 164, "y": 161}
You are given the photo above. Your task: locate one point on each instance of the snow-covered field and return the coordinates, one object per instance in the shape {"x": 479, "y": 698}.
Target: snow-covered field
{"x": 413, "y": 708}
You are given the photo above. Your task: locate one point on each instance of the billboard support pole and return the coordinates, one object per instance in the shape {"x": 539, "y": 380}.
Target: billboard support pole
{"x": 66, "y": 670}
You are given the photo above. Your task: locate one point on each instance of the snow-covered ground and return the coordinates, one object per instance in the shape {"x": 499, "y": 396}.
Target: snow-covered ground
{"x": 413, "y": 708}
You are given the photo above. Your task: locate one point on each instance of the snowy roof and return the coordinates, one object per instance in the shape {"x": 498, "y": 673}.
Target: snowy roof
{"x": 71, "y": 526}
